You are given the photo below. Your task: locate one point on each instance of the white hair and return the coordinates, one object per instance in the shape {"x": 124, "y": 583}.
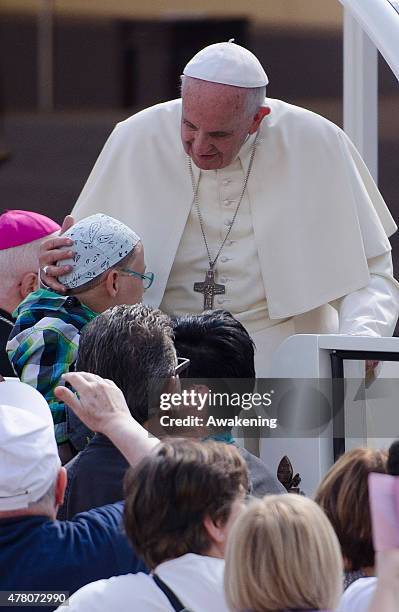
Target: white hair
{"x": 255, "y": 99}
{"x": 46, "y": 502}
{"x": 15, "y": 263}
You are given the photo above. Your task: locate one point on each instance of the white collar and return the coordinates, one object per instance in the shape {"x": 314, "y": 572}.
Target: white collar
{"x": 189, "y": 560}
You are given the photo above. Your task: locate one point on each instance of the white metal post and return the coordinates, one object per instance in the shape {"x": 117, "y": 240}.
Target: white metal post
{"x": 45, "y": 56}
{"x": 361, "y": 91}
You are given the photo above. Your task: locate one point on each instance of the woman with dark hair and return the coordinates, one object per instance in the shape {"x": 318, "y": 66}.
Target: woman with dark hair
{"x": 369, "y": 594}
{"x": 344, "y": 497}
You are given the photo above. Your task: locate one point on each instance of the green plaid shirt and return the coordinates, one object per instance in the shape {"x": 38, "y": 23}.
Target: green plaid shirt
{"x": 44, "y": 344}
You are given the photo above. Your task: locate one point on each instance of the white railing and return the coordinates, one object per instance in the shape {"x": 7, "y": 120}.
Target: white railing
{"x": 364, "y": 415}
{"x": 369, "y": 25}
{"x": 380, "y": 21}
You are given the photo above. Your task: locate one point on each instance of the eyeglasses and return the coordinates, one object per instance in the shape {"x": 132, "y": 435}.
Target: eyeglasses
{"x": 147, "y": 278}
{"x": 182, "y": 364}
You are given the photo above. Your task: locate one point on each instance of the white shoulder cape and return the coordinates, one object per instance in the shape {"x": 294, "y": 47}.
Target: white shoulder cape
{"x": 317, "y": 214}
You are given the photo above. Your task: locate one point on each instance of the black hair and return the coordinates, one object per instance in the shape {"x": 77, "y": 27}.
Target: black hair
{"x": 216, "y": 343}
{"x": 221, "y": 354}
{"x": 393, "y": 459}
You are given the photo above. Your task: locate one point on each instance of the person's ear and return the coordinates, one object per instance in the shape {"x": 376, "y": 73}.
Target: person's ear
{"x": 112, "y": 283}
{"x": 172, "y": 385}
{"x": 60, "y": 486}
{"x": 28, "y": 284}
{"x": 215, "y": 530}
{"x": 258, "y": 118}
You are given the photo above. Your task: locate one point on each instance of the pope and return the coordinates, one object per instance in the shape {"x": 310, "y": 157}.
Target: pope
{"x": 249, "y": 204}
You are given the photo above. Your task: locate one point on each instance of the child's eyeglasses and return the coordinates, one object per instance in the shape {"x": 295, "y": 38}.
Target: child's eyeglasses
{"x": 147, "y": 278}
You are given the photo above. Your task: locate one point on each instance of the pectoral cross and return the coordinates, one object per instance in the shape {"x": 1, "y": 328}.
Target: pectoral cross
{"x": 209, "y": 288}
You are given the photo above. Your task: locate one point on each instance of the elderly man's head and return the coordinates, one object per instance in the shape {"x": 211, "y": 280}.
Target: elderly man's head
{"x": 133, "y": 346}
{"x": 223, "y": 92}
{"x": 21, "y": 234}
{"x": 217, "y": 119}
{"x": 32, "y": 481}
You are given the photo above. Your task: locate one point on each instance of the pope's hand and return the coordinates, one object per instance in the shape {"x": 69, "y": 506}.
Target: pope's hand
{"x": 50, "y": 252}
{"x": 371, "y": 371}
{"x": 100, "y": 404}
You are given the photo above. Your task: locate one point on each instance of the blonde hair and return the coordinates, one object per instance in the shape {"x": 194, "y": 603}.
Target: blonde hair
{"x": 283, "y": 554}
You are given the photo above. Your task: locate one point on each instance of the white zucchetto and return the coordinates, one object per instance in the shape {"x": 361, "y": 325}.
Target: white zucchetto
{"x": 228, "y": 64}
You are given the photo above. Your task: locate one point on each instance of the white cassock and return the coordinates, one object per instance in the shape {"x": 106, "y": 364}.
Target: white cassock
{"x": 312, "y": 229}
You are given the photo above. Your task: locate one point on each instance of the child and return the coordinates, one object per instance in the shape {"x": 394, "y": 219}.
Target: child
{"x": 108, "y": 270}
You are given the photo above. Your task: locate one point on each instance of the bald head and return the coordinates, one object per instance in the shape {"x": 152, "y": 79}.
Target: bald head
{"x": 216, "y": 120}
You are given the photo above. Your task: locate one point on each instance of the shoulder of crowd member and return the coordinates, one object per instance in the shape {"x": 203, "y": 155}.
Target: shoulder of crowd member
{"x": 42, "y": 353}
{"x": 97, "y": 541}
{"x": 95, "y": 478}
{"x": 117, "y": 593}
{"x": 36, "y": 320}
{"x": 263, "y": 481}
{"x": 47, "y": 304}
{"x": 41, "y": 554}
{"x": 357, "y": 596}
{"x": 45, "y": 331}
{"x": 41, "y": 300}
{"x": 46, "y": 337}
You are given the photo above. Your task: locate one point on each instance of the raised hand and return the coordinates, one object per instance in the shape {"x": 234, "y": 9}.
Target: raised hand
{"x": 102, "y": 407}
{"x": 99, "y": 402}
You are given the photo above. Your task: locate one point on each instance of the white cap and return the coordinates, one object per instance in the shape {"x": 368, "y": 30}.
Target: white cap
{"x": 100, "y": 242}
{"x": 28, "y": 451}
{"x": 229, "y": 64}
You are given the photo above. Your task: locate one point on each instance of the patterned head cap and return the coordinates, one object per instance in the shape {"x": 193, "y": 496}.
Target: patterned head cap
{"x": 100, "y": 242}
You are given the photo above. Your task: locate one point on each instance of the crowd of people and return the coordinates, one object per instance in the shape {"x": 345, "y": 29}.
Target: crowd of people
{"x": 103, "y": 504}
